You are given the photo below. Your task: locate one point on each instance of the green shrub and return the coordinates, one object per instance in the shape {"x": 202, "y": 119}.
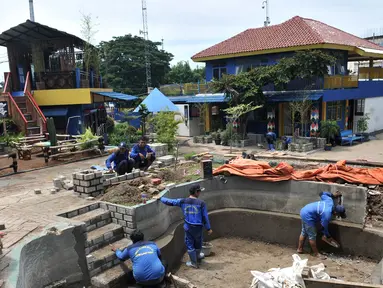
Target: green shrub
{"x": 189, "y": 156}
{"x": 86, "y": 137}
{"x": 123, "y": 132}
{"x": 165, "y": 126}
{"x": 10, "y": 137}
{"x": 109, "y": 125}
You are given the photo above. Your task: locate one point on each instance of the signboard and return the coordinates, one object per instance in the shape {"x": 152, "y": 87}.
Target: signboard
{"x": 3, "y": 109}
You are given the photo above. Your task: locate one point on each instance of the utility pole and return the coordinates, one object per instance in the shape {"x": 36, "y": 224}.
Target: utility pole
{"x": 147, "y": 53}
{"x": 265, "y": 5}
{"x": 162, "y": 42}
{"x": 31, "y": 11}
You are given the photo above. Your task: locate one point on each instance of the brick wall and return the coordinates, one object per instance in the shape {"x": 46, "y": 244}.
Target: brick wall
{"x": 121, "y": 215}
{"x": 88, "y": 183}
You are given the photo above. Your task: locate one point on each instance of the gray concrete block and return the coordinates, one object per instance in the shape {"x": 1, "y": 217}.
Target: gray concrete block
{"x": 79, "y": 189}
{"x": 122, "y": 223}
{"x": 115, "y": 221}
{"x": 91, "y": 227}
{"x": 72, "y": 213}
{"x": 121, "y": 178}
{"x": 113, "y": 180}
{"x": 89, "y": 189}
{"x": 128, "y": 218}
{"x": 83, "y": 210}
{"x": 84, "y": 183}
{"x": 94, "y": 206}
{"x": 128, "y": 230}
{"x": 76, "y": 182}
{"x": 37, "y": 191}
{"x": 108, "y": 235}
{"x": 121, "y": 210}
{"x": 95, "y": 182}
{"x": 89, "y": 176}
{"x": 103, "y": 206}
{"x": 129, "y": 176}
{"x": 98, "y": 174}
{"x": 136, "y": 173}
{"x": 101, "y": 223}
{"x": 111, "y": 207}
{"x": 118, "y": 216}
{"x": 100, "y": 187}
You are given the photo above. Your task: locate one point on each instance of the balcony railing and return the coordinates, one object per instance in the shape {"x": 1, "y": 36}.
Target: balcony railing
{"x": 366, "y": 73}
{"x": 186, "y": 89}
{"x": 341, "y": 81}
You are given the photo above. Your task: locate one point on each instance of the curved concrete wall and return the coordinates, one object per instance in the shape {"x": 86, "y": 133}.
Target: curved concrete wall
{"x": 288, "y": 197}
{"x": 54, "y": 259}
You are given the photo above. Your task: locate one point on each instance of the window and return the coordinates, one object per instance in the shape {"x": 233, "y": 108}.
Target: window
{"x": 218, "y": 72}
{"x": 359, "y": 109}
{"x": 334, "y": 110}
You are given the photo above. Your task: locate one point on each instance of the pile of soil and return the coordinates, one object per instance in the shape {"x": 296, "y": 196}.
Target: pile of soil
{"x": 232, "y": 260}
{"x": 375, "y": 210}
{"x": 130, "y": 192}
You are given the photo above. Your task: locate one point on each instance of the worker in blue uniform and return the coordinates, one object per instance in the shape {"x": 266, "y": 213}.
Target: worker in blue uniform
{"x": 319, "y": 212}
{"x": 270, "y": 138}
{"x": 195, "y": 213}
{"x": 148, "y": 269}
{"x": 121, "y": 161}
{"x": 286, "y": 141}
{"x": 142, "y": 154}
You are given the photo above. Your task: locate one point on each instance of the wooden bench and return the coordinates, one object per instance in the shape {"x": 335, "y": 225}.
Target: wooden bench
{"x": 348, "y": 137}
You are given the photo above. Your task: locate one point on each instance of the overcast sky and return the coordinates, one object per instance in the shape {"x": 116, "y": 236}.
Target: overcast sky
{"x": 188, "y": 27}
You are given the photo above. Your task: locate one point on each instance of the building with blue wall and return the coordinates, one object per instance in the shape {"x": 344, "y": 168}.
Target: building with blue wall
{"x": 340, "y": 96}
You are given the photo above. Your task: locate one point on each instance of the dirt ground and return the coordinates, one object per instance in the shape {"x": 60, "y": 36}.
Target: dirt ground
{"x": 38, "y": 161}
{"x": 231, "y": 267}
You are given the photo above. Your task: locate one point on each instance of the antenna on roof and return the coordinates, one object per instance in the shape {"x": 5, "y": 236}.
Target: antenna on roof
{"x": 265, "y": 5}
{"x": 31, "y": 11}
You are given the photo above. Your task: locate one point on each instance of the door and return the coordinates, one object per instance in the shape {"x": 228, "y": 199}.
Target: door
{"x": 20, "y": 72}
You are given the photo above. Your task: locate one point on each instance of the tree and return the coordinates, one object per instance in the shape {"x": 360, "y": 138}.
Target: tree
{"x": 237, "y": 112}
{"x": 182, "y": 73}
{"x": 90, "y": 53}
{"x": 301, "y": 106}
{"x": 123, "y": 63}
{"x": 166, "y": 126}
{"x": 144, "y": 113}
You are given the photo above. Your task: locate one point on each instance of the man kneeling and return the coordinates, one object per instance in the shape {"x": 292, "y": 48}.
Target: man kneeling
{"x": 121, "y": 160}
{"x": 148, "y": 269}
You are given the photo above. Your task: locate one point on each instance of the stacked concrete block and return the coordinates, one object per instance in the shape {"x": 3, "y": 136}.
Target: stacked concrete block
{"x": 160, "y": 149}
{"x": 122, "y": 215}
{"x": 88, "y": 183}
{"x": 128, "y": 176}
{"x": 166, "y": 160}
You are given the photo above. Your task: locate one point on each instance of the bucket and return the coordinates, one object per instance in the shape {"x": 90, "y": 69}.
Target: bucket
{"x": 206, "y": 248}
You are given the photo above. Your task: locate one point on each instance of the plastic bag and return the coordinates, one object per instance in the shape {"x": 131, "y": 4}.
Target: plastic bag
{"x": 290, "y": 277}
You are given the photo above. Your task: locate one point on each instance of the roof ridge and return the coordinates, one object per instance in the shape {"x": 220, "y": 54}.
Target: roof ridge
{"x": 340, "y": 30}
{"x": 317, "y": 34}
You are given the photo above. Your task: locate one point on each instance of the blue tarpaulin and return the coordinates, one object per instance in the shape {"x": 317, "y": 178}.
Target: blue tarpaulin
{"x": 116, "y": 95}
{"x": 211, "y": 98}
{"x": 291, "y": 97}
{"x": 157, "y": 102}
{"x": 55, "y": 112}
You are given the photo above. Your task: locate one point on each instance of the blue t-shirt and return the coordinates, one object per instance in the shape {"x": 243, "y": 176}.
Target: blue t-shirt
{"x": 137, "y": 150}
{"x": 194, "y": 210}
{"x": 145, "y": 258}
{"x": 320, "y": 211}
{"x": 116, "y": 158}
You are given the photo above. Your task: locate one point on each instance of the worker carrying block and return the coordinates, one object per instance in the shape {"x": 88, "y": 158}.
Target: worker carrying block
{"x": 319, "y": 212}
{"x": 195, "y": 213}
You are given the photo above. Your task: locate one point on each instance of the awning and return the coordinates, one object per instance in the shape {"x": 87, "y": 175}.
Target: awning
{"x": 291, "y": 97}
{"x": 116, "y": 96}
{"x": 200, "y": 98}
{"x": 55, "y": 112}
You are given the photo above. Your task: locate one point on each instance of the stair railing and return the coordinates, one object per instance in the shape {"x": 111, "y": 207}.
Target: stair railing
{"x": 13, "y": 109}
{"x": 33, "y": 107}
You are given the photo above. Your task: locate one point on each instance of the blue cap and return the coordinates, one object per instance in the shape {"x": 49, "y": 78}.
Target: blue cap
{"x": 122, "y": 145}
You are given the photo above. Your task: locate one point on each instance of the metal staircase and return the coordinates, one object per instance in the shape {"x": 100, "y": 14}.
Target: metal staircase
{"x": 24, "y": 110}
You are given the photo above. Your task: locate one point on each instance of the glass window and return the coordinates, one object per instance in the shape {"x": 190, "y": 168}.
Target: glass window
{"x": 359, "y": 107}
{"x": 218, "y": 72}
{"x": 334, "y": 110}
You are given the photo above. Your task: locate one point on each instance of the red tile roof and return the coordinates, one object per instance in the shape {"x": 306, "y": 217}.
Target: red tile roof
{"x": 297, "y": 31}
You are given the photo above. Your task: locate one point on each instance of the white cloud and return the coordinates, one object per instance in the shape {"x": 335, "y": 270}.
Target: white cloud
{"x": 188, "y": 26}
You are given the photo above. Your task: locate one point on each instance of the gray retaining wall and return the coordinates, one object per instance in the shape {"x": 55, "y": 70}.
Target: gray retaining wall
{"x": 285, "y": 197}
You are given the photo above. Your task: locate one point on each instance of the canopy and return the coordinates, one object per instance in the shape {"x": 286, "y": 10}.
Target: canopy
{"x": 115, "y": 96}
{"x": 157, "y": 102}
{"x": 290, "y": 97}
{"x": 54, "y": 112}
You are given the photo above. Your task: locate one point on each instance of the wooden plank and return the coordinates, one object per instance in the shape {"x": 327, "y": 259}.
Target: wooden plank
{"x": 315, "y": 283}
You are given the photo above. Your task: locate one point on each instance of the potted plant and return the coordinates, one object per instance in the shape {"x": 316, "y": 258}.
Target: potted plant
{"x": 224, "y": 138}
{"x": 216, "y": 137}
{"x": 329, "y": 130}
{"x": 362, "y": 126}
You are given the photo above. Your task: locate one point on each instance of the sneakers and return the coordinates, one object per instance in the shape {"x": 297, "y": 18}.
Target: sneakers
{"x": 200, "y": 256}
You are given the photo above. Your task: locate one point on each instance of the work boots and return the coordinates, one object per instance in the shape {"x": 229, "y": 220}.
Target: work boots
{"x": 200, "y": 255}
{"x": 193, "y": 259}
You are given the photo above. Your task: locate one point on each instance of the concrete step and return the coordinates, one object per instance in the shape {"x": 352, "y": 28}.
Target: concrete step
{"x": 103, "y": 236}
{"x": 112, "y": 277}
{"x": 104, "y": 258}
{"x": 94, "y": 219}
{"x": 27, "y": 116}
{"x": 31, "y": 123}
